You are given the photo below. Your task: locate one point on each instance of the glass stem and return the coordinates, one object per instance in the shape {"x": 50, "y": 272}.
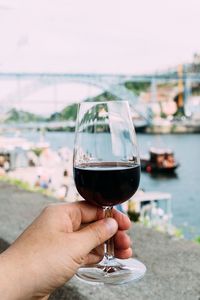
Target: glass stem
{"x": 109, "y": 244}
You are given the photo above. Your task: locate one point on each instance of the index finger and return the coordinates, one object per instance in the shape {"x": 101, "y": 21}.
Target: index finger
{"x": 82, "y": 213}
{"x": 90, "y": 213}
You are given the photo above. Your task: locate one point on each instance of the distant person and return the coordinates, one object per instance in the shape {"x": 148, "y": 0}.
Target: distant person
{"x": 37, "y": 182}
{"x": 160, "y": 160}
{"x": 65, "y": 173}
{"x": 2, "y": 160}
{"x": 55, "y": 245}
{"x": 44, "y": 183}
{"x": 4, "y": 163}
{"x": 43, "y": 179}
{"x": 2, "y": 171}
{"x": 6, "y": 166}
{"x": 169, "y": 161}
{"x": 64, "y": 188}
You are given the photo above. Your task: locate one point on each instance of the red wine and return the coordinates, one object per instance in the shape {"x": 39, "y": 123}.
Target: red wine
{"x": 107, "y": 184}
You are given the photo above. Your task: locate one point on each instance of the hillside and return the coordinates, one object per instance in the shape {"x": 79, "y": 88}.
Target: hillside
{"x": 69, "y": 112}
{"x": 22, "y": 116}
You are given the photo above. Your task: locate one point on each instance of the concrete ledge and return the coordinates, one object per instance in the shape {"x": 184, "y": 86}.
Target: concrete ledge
{"x": 173, "y": 266}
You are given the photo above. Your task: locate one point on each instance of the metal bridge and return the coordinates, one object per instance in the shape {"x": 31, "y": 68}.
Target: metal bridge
{"x": 113, "y": 83}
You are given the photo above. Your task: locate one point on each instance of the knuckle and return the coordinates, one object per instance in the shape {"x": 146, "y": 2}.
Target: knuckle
{"x": 49, "y": 209}
{"x": 79, "y": 260}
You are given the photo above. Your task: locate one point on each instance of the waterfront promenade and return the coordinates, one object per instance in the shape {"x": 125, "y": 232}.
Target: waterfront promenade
{"x": 173, "y": 266}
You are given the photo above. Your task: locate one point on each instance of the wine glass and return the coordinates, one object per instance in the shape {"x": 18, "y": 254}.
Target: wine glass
{"x": 106, "y": 168}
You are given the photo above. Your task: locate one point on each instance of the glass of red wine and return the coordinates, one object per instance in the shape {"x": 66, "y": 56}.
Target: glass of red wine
{"x": 106, "y": 173}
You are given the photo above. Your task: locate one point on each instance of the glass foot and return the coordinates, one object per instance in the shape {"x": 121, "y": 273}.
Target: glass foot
{"x": 115, "y": 271}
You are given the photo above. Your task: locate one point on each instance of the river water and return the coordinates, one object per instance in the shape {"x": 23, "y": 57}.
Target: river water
{"x": 184, "y": 187}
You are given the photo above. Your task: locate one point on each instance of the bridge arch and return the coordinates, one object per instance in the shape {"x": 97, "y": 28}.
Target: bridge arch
{"x": 110, "y": 83}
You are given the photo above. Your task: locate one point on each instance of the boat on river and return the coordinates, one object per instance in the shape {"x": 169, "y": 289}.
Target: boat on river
{"x": 159, "y": 161}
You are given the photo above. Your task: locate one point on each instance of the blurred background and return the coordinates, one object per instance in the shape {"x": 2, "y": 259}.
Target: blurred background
{"x": 55, "y": 54}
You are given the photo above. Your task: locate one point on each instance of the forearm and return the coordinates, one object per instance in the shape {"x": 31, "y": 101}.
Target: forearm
{"x": 16, "y": 281}
{"x": 9, "y": 278}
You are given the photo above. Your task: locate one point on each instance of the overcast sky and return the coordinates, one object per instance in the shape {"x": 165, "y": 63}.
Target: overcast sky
{"x": 97, "y": 35}
{"x": 106, "y": 36}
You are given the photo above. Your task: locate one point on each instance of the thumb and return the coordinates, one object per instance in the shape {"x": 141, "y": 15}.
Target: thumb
{"x": 96, "y": 233}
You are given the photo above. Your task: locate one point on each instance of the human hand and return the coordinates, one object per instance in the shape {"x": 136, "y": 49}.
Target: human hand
{"x": 63, "y": 238}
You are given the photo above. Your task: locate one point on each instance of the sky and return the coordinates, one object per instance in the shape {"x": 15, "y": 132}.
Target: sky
{"x": 99, "y": 36}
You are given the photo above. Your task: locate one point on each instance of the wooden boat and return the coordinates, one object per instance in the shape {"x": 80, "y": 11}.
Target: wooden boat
{"x": 159, "y": 161}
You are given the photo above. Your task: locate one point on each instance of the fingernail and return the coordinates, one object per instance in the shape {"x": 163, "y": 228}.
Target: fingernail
{"x": 111, "y": 224}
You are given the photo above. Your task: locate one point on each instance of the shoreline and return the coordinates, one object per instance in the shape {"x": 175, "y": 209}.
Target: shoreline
{"x": 155, "y": 126}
